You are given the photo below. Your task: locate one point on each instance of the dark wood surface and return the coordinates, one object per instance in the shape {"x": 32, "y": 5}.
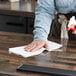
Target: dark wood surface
{"x": 25, "y": 8}
{"x": 65, "y": 59}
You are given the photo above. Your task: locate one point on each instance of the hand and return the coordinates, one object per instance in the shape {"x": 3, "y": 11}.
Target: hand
{"x": 72, "y": 28}
{"x": 74, "y": 32}
{"x": 35, "y": 45}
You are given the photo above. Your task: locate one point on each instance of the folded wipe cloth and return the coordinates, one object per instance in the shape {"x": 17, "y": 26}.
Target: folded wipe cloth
{"x": 21, "y": 51}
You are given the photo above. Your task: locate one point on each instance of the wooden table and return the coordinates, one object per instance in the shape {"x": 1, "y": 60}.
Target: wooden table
{"x": 63, "y": 60}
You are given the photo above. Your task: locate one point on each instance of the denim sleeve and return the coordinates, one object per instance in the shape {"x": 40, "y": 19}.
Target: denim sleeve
{"x": 44, "y": 15}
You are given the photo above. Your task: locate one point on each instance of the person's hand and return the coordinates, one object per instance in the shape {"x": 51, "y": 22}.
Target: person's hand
{"x": 72, "y": 25}
{"x": 72, "y": 28}
{"x": 35, "y": 45}
{"x": 74, "y": 32}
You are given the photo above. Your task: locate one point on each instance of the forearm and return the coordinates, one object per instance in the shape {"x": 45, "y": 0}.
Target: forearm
{"x": 43, "y": 18}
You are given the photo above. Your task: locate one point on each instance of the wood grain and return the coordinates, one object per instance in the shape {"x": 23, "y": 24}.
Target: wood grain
{"x": 65, "y": 59}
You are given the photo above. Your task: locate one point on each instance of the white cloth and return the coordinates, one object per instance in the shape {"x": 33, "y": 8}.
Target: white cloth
{"x": 21, "y": 51}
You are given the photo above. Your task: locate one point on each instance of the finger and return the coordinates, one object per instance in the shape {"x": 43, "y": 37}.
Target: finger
{"x": 29, "y": 47}
{"x": 74, "y": 32}
{"x": 47, "y": 47}
{"x": 36, "y": 48}
{"x": 35, "y": 45}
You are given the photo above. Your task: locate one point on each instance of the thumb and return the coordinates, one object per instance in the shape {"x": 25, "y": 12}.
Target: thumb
{"x": 47, "y": 47}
